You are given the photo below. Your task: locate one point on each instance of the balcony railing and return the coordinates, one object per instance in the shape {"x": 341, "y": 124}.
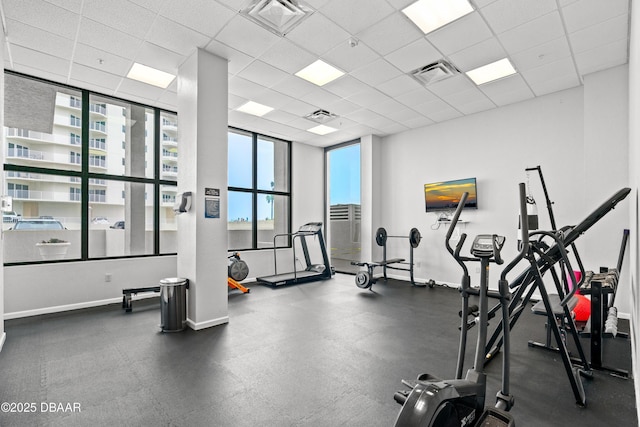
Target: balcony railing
{"x": 101, "y": 127}
{"x": 98, "y": 144}
{"x": 98, "y": 108}
{"x": 25, "y": 153}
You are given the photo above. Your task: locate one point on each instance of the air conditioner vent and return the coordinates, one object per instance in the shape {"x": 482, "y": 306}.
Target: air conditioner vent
{"x": 435, "y": 72}
{"x": 320, "y": 116}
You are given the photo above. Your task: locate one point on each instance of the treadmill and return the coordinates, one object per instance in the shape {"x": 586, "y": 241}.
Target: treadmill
{"x": 312, "y": 272}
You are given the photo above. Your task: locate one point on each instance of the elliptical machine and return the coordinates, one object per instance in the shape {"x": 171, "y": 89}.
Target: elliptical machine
{"x": 433, "y": 402}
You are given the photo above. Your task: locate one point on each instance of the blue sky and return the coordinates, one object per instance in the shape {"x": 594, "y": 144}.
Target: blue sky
{"x": 344, "y": 178}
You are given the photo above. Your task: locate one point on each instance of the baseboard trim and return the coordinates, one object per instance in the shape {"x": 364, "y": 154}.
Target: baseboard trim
{"x": 60, "y": 308}
{"x": 208, "y": 324}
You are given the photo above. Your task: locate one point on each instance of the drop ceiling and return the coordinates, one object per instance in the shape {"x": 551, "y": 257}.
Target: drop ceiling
{"x": 92, "y": 44}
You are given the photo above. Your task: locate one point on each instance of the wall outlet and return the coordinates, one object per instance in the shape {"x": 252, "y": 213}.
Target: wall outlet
{"x": 107, "y": 277}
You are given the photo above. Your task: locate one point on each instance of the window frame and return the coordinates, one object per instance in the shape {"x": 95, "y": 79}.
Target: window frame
{"x": 255, "y": 191}
{"x": 85, "y": 175}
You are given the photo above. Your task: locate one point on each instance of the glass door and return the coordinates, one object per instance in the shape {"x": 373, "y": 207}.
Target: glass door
{"x": 343, "y": 167}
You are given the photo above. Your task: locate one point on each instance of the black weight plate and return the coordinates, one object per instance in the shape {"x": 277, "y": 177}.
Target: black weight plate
{"x": 381, "y": 236}
{"x": 363, "y": 280}
{"x": 414, "y": 237}
{"x": 238, "y": 270}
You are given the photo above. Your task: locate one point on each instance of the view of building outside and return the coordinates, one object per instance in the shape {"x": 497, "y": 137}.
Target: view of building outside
{"x": 344, "y": 207}
{"x": 47, "y": 206}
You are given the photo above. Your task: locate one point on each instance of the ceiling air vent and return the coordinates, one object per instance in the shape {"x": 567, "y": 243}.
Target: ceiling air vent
{"x": 278, "y": 16}
{"x": 435, "y": 72}
{"x": 320, "y": 116}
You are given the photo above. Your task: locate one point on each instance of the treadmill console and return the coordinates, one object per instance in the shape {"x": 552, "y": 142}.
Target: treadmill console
{"x": 311, "y": 227}
{"x": 486, "y": 245}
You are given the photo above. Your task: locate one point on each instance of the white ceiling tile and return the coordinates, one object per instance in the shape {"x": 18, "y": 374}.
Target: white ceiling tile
{"x": 74, "y": 6}
{"x": 387, "y": 108}
{"x": 37, "y": 39}
{"x": 282, "y": 117}
{"x": 372, "y": 119}
{"x": 432, "y": 107}
{"x": 472, "y": 105}
{"x": 377, "y": 72}
{"x": 506, "y": 91}
{"x": 319, "y": 97}
{"x": 90, "y": 57}
{"x": 418, "y": 122}
{"x": 247, "y": 37}
{"x": 343, "y": 107}
{"x": 134, "y": 87}
{"x": 349, "y": 58}
{"x": 368, "y": 98}
{"x": 540, "y": 30}
{"x": 475, "y": 56}
{"x": 600, "y": 34}
{"x": 35, "y": 59}
{"x": 234, "y": 101}
{"x": 602, "y": 57}
{"x": 447, "y": 39}
{"x": 245, "y": 88}
{"x": 272, "y": 98}
{"x": 393, "y": 128}
{"x": 60, "y": 77}
{"x": 483, "y": 3}
{"x": 400, "y": 4}
{"x": 356, "y": 15}
{"x": 345, "y": 86}
{"x": 88, "y": 74}
{"x": 399, "y": 85}
{"x": 121, "y": 15}
{"x": 294, "y": 86}
{"x": 287, "y": 56}
{"x": 263, "y": 74}
{"x": 503, "y": 15}
{"x": 416, "y": 97}
{"x": 237, "y": 60}
{"x": 455, "y": 84}
{"x": 550, "y": 71}
{"x": 558, "y": 83}
{"x": 159, "y": 58}
{"x": 404, "y": 114}
{"x": 108, "y": 39}
{"x": 584, "y": 13}
{"x": 299, "y": 108}
{"x": 45, "y": 16}
{"x": 204, "y": 16}
{"x": 175, "y": 37}
{"x": 318, "y": 34}
{"x": 414, "y": 55}
{"x": 392, "y": 33}
{"x": 542, "y": 54}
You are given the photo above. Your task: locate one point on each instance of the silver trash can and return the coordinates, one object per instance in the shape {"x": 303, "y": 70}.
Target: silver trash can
{"x": 173, "y": 304}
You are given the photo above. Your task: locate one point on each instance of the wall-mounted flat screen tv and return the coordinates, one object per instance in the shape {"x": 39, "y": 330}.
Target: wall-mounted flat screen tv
{"x": 445, "y": 195}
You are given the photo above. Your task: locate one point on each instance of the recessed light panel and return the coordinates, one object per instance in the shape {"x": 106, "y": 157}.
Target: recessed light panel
{"x": 319, "y": 73}
{"x": 150, "y": 76}
{"x": 322, "y": 130}
{"x": 254, "y": 108}
{"x": 430, "y": 15}
{"x": 490, "y": 72}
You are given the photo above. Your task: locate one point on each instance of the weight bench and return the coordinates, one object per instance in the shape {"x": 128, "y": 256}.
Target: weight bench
{"x": 126, "y": 295}
{"x": 559, "y": 316}
{"x": 365, "y": 279}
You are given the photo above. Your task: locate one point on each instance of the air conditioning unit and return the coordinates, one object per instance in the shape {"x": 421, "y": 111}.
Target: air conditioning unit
{"x": 435, "y": 72}
{"x": 320, "y": 116}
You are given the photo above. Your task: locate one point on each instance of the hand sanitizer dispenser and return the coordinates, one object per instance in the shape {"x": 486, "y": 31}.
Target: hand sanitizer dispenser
{"x": 183, "y": 203}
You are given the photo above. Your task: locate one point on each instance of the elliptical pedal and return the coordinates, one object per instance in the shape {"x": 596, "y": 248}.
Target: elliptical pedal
{"x": 493, "y": 417}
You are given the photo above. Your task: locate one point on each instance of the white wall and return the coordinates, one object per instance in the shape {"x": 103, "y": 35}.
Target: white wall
{"x": 495, "y": 147}
{"x": 47, "y": 288}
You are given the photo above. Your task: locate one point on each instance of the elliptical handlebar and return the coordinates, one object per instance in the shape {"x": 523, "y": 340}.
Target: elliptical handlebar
{"x": 454, "y": 221}
{"x": 524, "y": 227}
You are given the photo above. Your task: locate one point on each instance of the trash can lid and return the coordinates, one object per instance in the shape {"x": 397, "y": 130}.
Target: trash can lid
{"x": 173, "y": 281}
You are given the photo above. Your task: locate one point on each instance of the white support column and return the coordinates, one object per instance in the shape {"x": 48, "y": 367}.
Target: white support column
{"x": 370, "y": 196}
{"x": 202, "y": 166}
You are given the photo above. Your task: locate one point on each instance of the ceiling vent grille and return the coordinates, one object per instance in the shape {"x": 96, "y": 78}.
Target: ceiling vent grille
{"x": 278, "y": 16}
{"x": 435, "y": 72}
{"x": 320, "y": 116}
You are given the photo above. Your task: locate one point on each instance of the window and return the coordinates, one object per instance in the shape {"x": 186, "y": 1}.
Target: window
{"x": 82, "y": 188}
{"x": 259, "y": 190}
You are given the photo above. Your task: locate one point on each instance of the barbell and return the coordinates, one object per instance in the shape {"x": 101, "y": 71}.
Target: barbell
{"x": 414, "y": 237}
